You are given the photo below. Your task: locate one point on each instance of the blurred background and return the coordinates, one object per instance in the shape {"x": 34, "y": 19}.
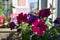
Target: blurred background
{"x": 10, "y": 6}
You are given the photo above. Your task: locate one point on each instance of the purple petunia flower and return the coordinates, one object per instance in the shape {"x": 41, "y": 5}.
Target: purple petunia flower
{"x": 12, "y": 25}
{"x": 57, "y": 21}
{"x": 44, "y": 13}
{"x": 31, "y": 18}
{"x": 58, "y": 36}
{"x": 55, "y": 25}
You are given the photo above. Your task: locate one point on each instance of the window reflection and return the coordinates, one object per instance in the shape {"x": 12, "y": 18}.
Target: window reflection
{"x": 33, "y": 4}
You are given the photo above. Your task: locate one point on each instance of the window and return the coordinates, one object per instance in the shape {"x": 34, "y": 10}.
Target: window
{"x": 33, "y": 4}
{"x": 28, "y": 5}
{"x": 5, "y": 7}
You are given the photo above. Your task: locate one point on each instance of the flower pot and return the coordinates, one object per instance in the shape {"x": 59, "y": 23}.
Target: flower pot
{"x": 7, "y": 34}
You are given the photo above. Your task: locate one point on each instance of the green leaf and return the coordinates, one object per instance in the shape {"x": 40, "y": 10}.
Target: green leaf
{"x": 2, "y": 9}
{"x": 53, "y": 8}
{"x": 48, "y": 23}
{"x": 24, "y": 26}
{"x": 12, "y": 7}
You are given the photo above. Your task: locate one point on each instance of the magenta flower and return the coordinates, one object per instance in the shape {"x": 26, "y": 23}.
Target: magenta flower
{"x": 39, "y": 27}
{"x": 22, "y": 18}
{"x": 44, "y": 13}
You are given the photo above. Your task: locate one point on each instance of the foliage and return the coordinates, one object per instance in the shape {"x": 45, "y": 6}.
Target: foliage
{"x": 25, "y": 23}
{"x": 2, "y": 8}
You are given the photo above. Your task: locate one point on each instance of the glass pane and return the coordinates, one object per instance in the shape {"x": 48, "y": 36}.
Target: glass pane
{"x": 33, "y": 4}
{"x": 0, "y": 0}
{"x": 5, "y": 6}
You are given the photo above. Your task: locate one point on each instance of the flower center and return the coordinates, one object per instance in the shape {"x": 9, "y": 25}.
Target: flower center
{"x": 45, "y": 13}
{"x": 39, "y": 26}
{"x": 22, "y": 18}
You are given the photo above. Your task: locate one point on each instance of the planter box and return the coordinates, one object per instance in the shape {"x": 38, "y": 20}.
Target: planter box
{"x": 7, "y": 34}
{"x": 7, "y": 30}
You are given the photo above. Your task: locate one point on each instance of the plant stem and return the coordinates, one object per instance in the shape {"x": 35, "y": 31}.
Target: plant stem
{"x": 52, "y": 12}
{"x": 31, "y": 36}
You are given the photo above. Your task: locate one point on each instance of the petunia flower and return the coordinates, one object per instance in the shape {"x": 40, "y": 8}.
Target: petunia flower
{"x": 14, "y": 20}
{"x": 12, "y": 25}
{"x": 58, "y": 36}
{"x": 55, "y": 25}
{"x": 44, "y": 13}
{"x": 2, "y": 19}
{"x": 12, "y": 16}
{"x": 39, "y": 27}
{"x": 31, "y": 18}
{"x": 22, "y": 18}
{"x": 57, "y": 21}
